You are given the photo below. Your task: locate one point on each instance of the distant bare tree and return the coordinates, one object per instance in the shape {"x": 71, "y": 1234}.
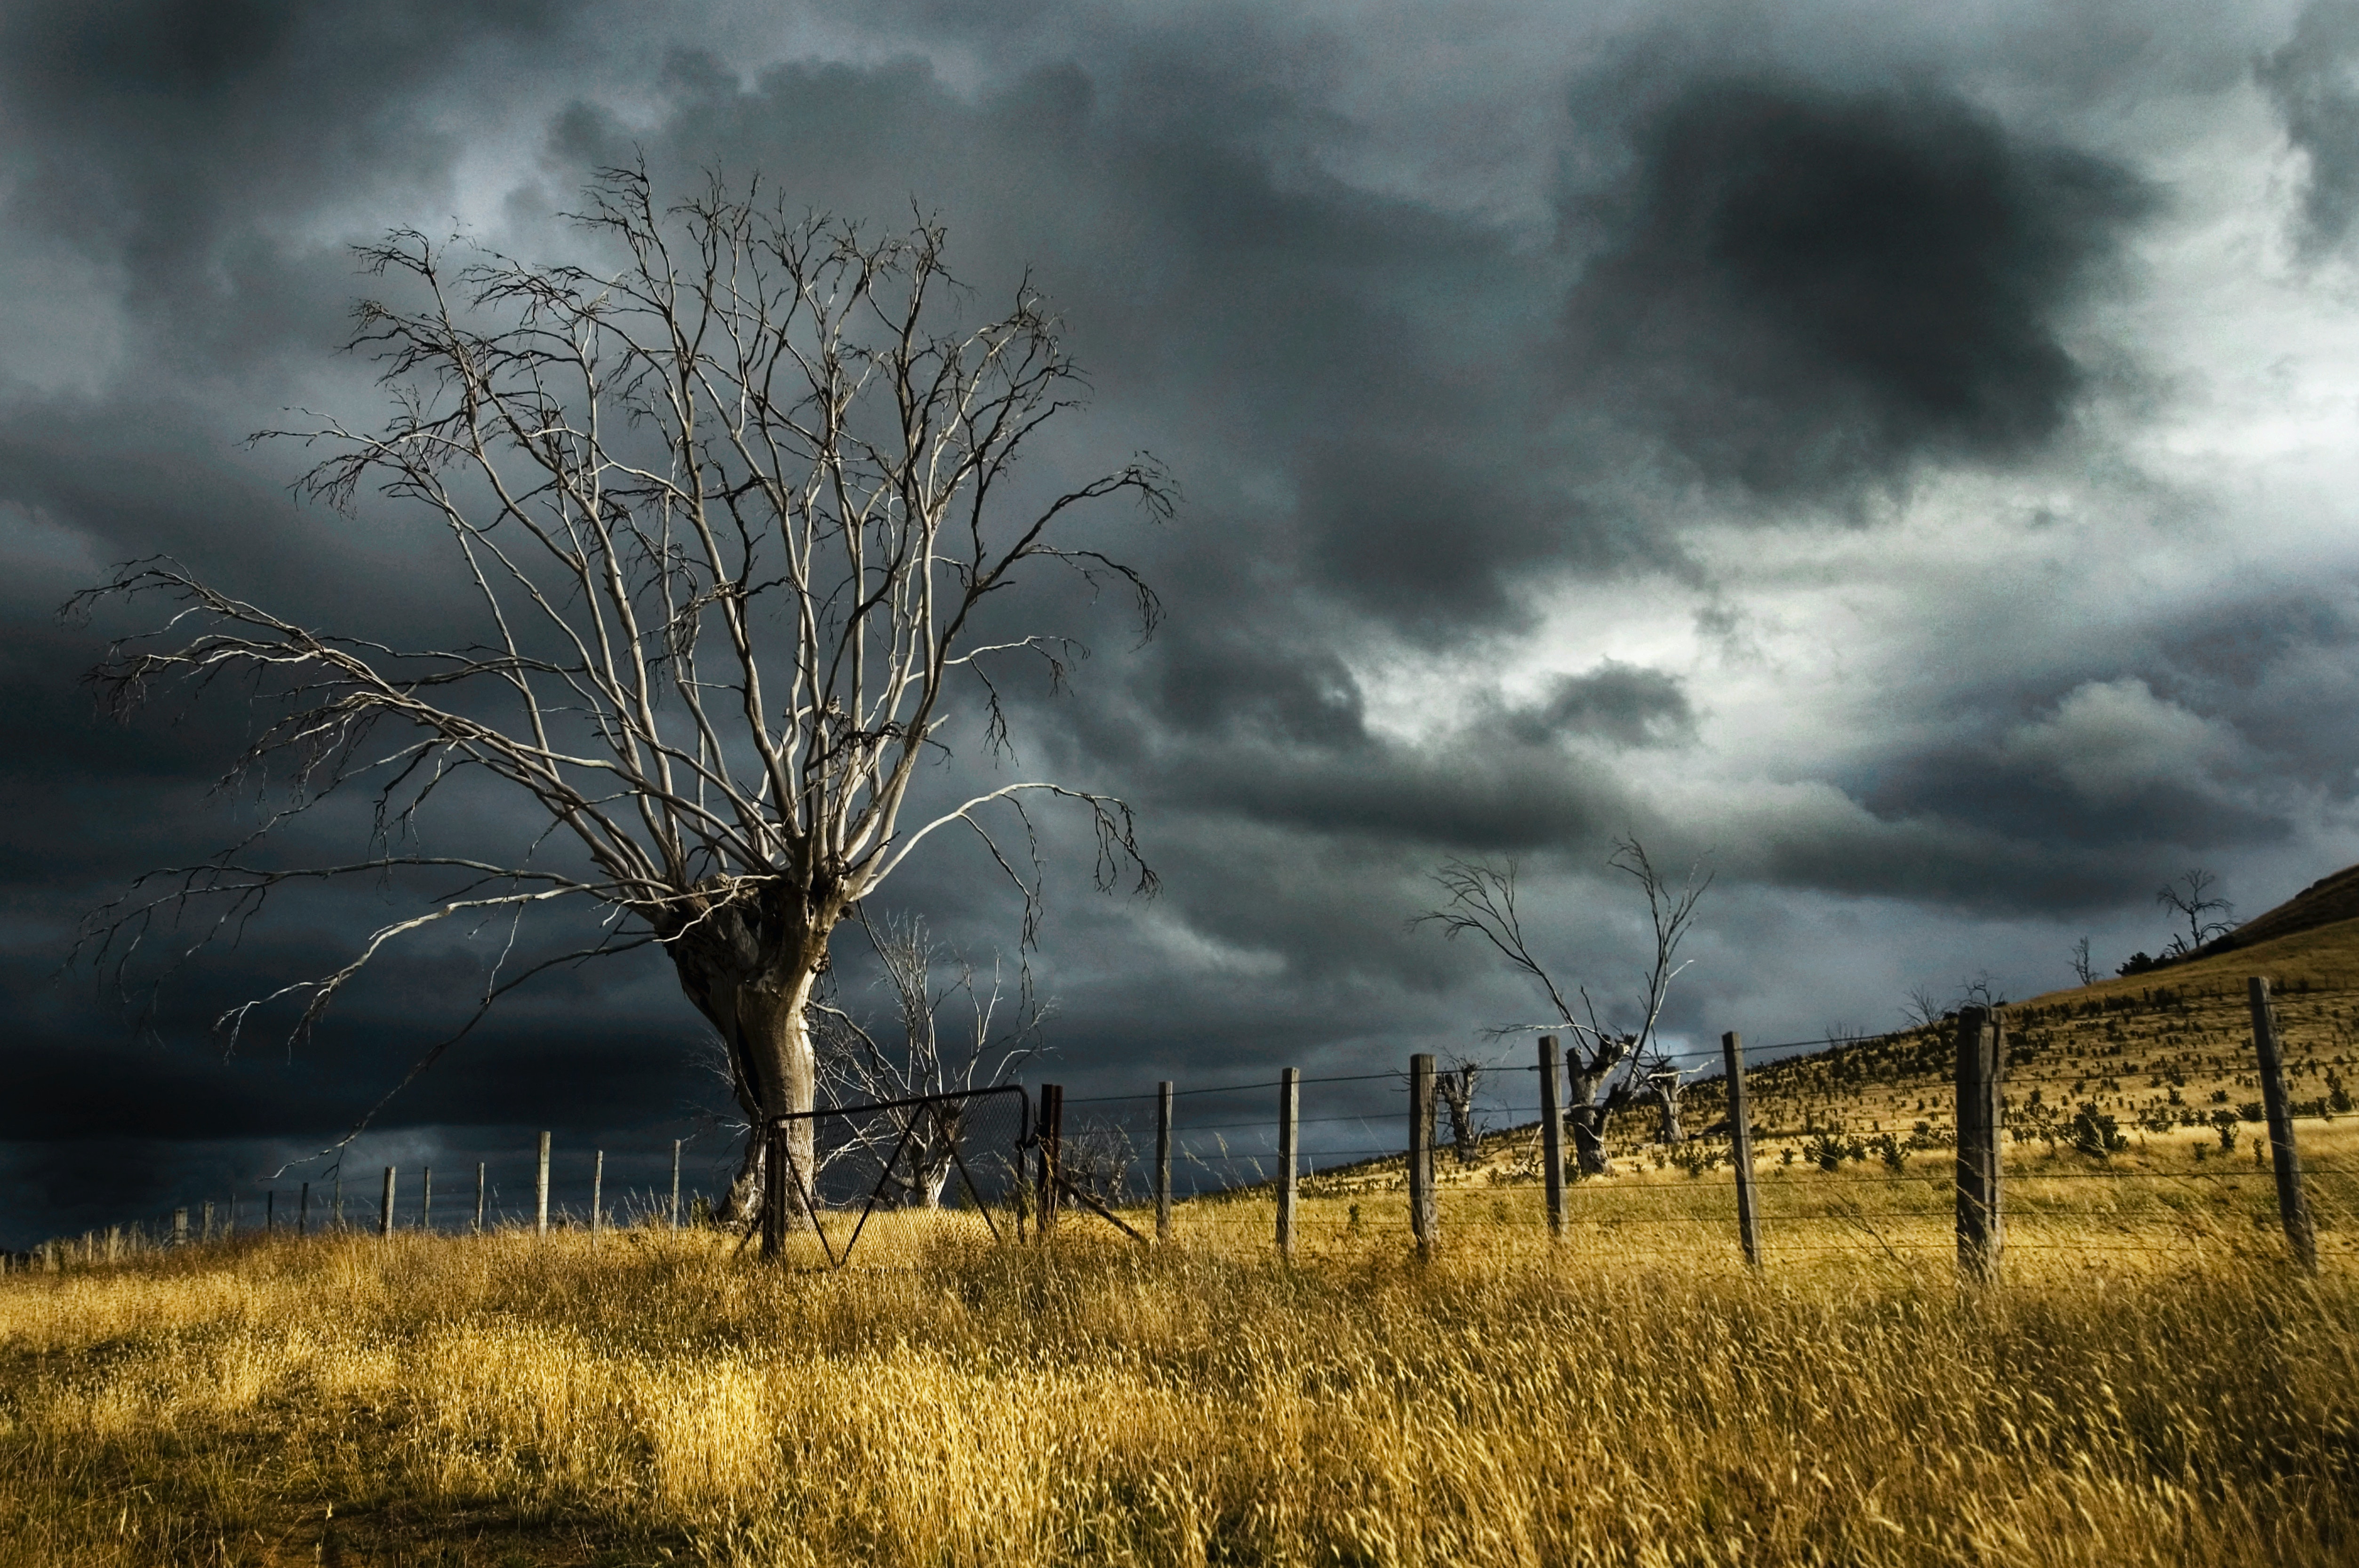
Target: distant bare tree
{"x": 730, "y": 511}
{"x": 2083, "y": 969}
{"x": 1455, "y": 1085}
{"x": 1096, "y": 1156}
{"x": 1923, "y": 1009}
{"x": 952, "y": 1029}
{"x": 2189, "y": 898}
{"x": 1607, "y": 1068}
{"x": 1980, "y": 991}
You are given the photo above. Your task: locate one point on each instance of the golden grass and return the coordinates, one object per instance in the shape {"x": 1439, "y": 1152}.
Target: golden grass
{"x": 2150, "y": 1383}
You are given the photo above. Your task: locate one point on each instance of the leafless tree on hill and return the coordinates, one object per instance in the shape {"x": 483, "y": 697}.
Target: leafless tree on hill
{"x": 1607, "y": 1068}
{"x": 731, "y": 512}
{"x": 2189, "y": 898}
{"x": 2084, "y": 968}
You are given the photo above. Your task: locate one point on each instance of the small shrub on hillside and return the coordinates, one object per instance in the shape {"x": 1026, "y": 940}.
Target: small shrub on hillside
{"x": 2096, "y": 1133}
{"x": 2224, "y": 1122}
{"x": 2337, "y": 1095}
{"x": 2252, "y": 1110}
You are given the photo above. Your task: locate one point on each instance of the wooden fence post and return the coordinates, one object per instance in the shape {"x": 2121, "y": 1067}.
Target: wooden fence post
{"x": 1740, "y": 1137}
{"x": 1552, "y": 1135}
{"x": 675, "y": 1183}
{"x": 336, "y": 1210}
{"x": 179, "y": 1228}
{"x": 206, "y": 1214}
{"x": 1052, "y": 1134}
{"x": 540, "y": 1192}
{"x": 1163, "y": 1160}
{"x": 270, "y": 1213}
{"x": 114, "y": 1242}
{"x": 1421, "y": 1213}
{"x": 384, "y": 1209}
{"x": 2293, "y": 1208}
{"x": 598, "y": 1195}
{"x": 479, "y": 1197}
{"x": 1290, "y": 1119}
{"x": 774, "y": 1198}
{"x": 1981, "y": 1068}
{"x": 425, "y": 1198}
{"x": 303, "y": 1214}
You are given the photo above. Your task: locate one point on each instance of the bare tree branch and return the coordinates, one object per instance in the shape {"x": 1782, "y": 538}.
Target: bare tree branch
{"x": 735, "y": 517}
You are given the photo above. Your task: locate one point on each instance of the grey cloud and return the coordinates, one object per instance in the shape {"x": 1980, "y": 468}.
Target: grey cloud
{"x": 1403, "y": 421}
{"x": 1626, "y": 704}
{"x": 2314, "y": 82}
{"x": 1808, "y": 290}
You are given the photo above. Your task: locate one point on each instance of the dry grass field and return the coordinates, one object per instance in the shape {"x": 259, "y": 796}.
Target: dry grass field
{"x": 2149, "y": 1382}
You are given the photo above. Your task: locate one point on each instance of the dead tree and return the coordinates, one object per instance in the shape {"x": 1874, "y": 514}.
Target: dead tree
{"x": 954, "y": 1029}
{"x": 2189, "y": 898}
{"x": 1607, "y": 1068}
{"x": 1454, "y": 1086}
{"x": 734, "y": 515}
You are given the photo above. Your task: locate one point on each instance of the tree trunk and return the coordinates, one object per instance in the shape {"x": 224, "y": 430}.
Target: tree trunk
{"x": 753, "y": 995}
{"x": 1457, "y": 1092}
{"x": 1586, "y": 1076}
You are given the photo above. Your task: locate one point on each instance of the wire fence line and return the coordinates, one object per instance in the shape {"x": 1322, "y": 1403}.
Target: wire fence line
{"x": 1222, "y": 1155}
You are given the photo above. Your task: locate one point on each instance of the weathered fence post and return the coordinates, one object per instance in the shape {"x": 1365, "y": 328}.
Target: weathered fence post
{"x": 179, "y": 1228}
{"x": 1421, "y": 1149}
{"x": 1052, "y": 1134}
{"x": 270, "y": 1213}
{"x": 774, "y": 1192}
{"x": 1552, "y": 1135}
{"x": 2293, "y": 1208}
{"x": 1290, "y": 1119}
{"x": 303, "y": 1212}
{"x": 675, "y": 1183}
{"x": 425, "y": 1198}
{"x": 1981, "y": 1067}
{"x": 1163, "y": 1160}
{"x": 540, "y": 1192}
{"x": 1740, "y": 1137}
{"x": 336, "y": 1212}
{"x": 479, "y": 1197}
{"x": 206, "y": 1214}
{"x": 384, "y": 1209}
{"x": 598, "y": 1195}
{"x": 114, "y": 1242}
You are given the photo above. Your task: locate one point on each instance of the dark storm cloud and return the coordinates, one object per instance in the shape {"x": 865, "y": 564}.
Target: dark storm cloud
{"x": 166, "y": 136}
{"x": 1808, "y": 290}
{"x": 1401, "y": 417}
{"x": 2314, "y": 83}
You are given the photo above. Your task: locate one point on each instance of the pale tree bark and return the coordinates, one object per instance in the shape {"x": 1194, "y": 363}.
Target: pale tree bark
{"x": 730, "y": 510}
{"x": 1456, "y": 1087}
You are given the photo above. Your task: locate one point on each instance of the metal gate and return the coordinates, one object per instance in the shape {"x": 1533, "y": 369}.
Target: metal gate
{"x": 912, "y": 1154}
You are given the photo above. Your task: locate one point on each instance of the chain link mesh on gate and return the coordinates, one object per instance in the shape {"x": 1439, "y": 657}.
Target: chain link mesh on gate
{"x": 958, "y": 1151}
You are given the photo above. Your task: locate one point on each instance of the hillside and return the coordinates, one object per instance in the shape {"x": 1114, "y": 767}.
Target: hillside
{"x": 2326, "y": 901}
{"x": 2162, "y": 1053}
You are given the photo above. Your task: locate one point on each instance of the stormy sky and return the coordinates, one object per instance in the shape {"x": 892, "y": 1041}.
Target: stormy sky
{"x": 1900, "y": 459}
